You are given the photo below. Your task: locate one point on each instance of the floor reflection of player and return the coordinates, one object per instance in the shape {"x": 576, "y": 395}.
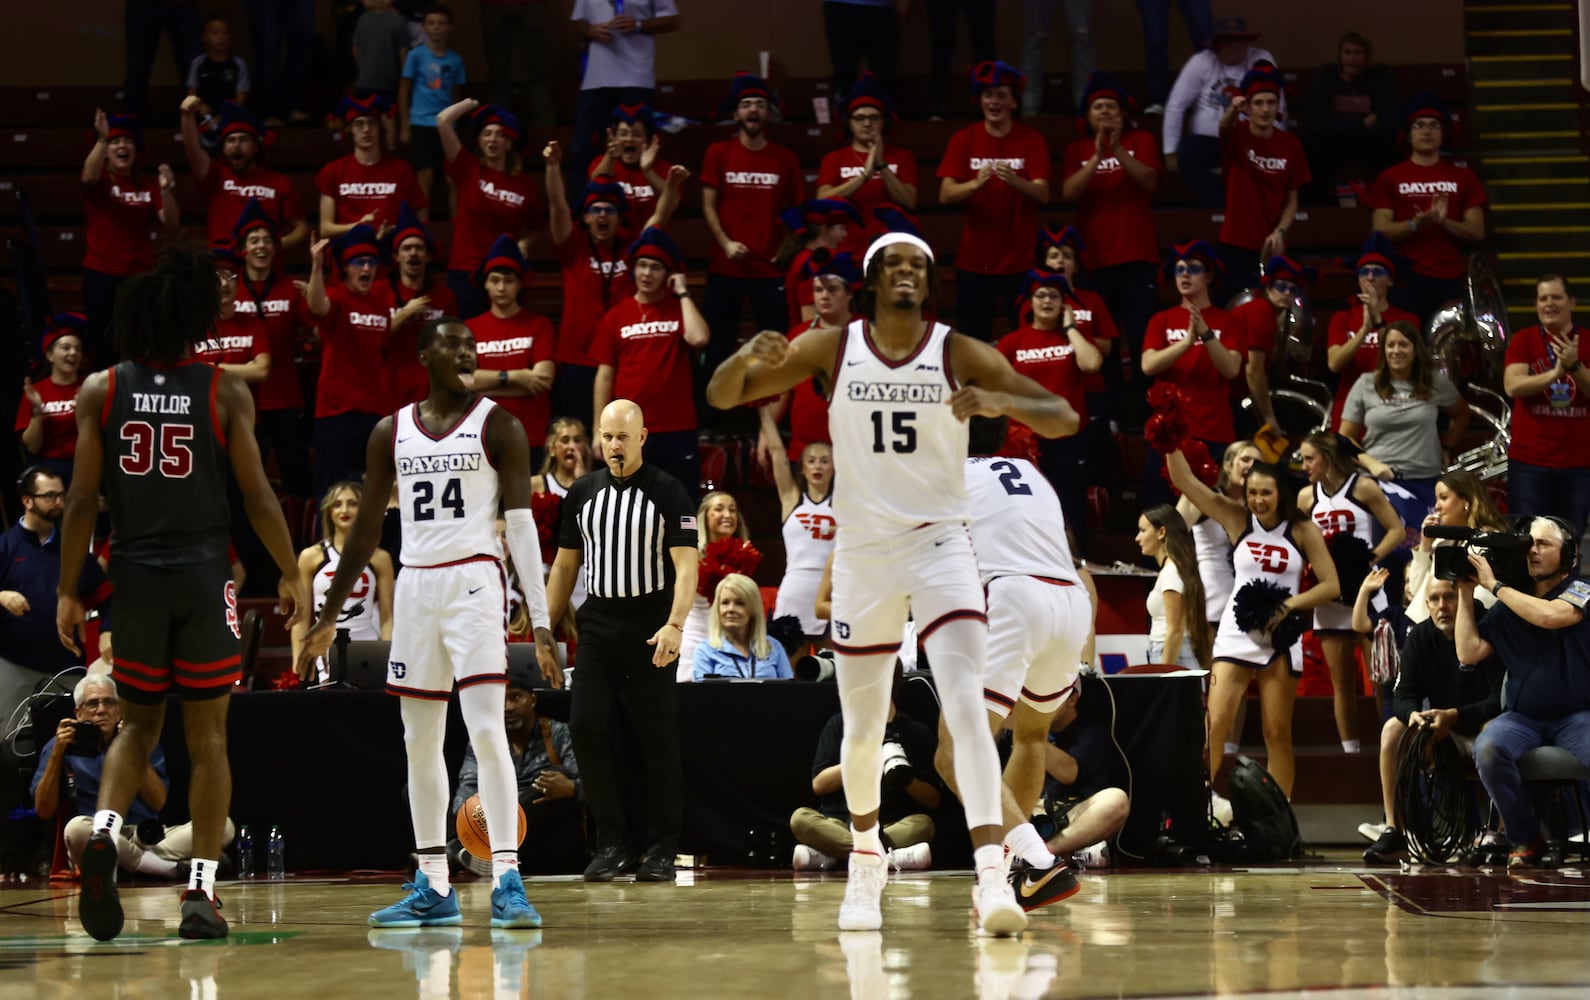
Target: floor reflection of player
{"x": 455, "y": 458}
{"x": 902, "y": 389}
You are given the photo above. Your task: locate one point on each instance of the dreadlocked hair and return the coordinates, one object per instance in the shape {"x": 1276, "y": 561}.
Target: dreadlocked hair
{"x": 161, "y": 313}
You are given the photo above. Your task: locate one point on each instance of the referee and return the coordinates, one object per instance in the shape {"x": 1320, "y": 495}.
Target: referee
{"x": 632, "y": 527}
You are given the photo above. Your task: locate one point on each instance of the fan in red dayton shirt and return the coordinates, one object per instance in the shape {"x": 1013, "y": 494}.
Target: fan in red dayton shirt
{"x": 122, "y": 207}
{"x": 1061, "y": 250}
{"x": 229, "y": 182}
{"x": 746, "y": 182}
{"x": 1264, "y": 168}
{"x": 366, "y": 185}
{"x": 1000, "y": 169}
{"x": 1050, "y": 348}
{"x": 1111, "y": 175}
{"x": 866, "y": 173}
{"x": 1353, "y": 346}
{"x": 47, "y": 417}
{"x": 644, "y": 347}
{"x": 595, "y": 270}
{"x": 513, "y": 346}
{"x": 268, "y": 294}
{"x": 420, "y": 298}
{"x": 1256, "y": 323}
{"x": 495, "y": 194}
{"x": 631, "y": 158}
{"x": 238, "y": 342}
{"x": 1428, "y": 207}
{"x": 817, "y": 225}
{"x": 353, "y": 318}
{"x": 1548, "y": 470}
{"x": 1193, "y": 347}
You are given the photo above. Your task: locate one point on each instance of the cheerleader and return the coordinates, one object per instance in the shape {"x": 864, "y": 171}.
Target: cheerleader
{"x": 1272, "y": 543}
{"x": 368, "y": 611}
{"x": 806, "y": 505}
{"x": 1344, "y": 505}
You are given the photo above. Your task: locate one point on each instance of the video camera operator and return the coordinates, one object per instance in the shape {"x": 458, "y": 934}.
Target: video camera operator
{"x": 1542, "y": 639}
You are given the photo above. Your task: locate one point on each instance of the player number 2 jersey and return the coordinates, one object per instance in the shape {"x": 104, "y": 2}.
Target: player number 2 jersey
{"x": 894, "y": 435}
{"x": 448, "y": 492}
{"x": 1018, "y": 527}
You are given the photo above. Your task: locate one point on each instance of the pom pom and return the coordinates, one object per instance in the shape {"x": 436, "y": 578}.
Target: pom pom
{"x": 1166, "y": 398}
{"x": 1353, "y": 557}
{"x": 722, "y": 557}
{"x": 787, "y": 630}
{"x": 1164, "y": 432}
{"x": 1255, "y": 603}
{"x": 1203, "y": 464}
{"x": 545, "y": 507}
{"x": 1020, "y": 442}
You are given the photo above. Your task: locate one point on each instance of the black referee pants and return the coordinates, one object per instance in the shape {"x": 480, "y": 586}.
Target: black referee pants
{"x": 614, "y": 670}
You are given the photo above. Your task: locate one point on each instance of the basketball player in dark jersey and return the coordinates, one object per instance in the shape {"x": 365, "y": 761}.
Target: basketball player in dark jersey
{"x": 159, "y": 432}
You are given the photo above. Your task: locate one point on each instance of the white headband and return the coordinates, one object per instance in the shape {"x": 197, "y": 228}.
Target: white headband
{"x": 889, "y": 239}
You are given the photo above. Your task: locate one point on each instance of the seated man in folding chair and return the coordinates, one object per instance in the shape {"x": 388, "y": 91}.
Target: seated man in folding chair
{"x": 1543, "y": 641}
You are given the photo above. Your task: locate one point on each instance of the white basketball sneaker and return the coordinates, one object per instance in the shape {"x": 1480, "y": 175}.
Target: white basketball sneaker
{"x": 998, "y": 913}
{"x": 911, "y": 859}
{"x": 810, "y": 859}
{"x": 861, "y": 910}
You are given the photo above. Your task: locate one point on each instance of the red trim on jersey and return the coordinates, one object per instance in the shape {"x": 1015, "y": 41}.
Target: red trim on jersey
{"x": 461, "y": 562}
{"x": 866, "y": 336}
{"x": 482, "y": 679}
{"x": 881, "y": 648}
{"x": 403, "y": 692}
{"x": 1053, "y": 582}
{"x": 964, "y": 614}
{"x": 999, "y": 699}
{"x": 949, "y": 369}
{"x": 1031, "y": 696}
{"x": 456, "y": 424}
{"x": 110, "y": 397}
{"x": 215, "y": 416}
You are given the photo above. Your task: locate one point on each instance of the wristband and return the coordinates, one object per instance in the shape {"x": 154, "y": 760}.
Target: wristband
{"x": 1496, "y": 591}
{"x": 1413, "y": 225}
{"x": 1574, "y": 367}
{"x": 502, "y": 377}
{"x": 681, "y": 628}
{"x": 1206, "y": 336}
{"x": 681, "y": 295}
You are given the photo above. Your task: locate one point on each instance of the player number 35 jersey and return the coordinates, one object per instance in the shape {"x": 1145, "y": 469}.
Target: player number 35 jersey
{"x": 896, "y": 437}
{"x": 448, "y": 492}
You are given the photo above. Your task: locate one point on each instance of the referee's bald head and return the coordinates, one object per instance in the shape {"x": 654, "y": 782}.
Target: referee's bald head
{"x": 621, "y": 433}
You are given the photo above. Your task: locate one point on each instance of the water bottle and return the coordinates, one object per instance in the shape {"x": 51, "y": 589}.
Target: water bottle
{"x": 245, "y": 852}
{"x": 277, "y": 854}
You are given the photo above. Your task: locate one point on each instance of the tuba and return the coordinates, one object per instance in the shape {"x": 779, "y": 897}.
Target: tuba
{"x": 1468, "y": 337}
{"x": 1300, "y": 402}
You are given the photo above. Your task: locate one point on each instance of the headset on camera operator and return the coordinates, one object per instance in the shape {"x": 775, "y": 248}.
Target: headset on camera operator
{"x": 1539, "y": 632}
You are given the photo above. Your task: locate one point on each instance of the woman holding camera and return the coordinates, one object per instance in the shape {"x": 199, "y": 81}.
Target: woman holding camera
{"x": 1344, "y": 504}
{"x": 1273, "y": 543}
{"x": 1394, "y": 416}
{"x": 737, "y": 645}
{"x": 1461, "y": 501}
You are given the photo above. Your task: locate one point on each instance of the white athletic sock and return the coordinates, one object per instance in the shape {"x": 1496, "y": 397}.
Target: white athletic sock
{"x": 503, "y": 862}
{"x": 151, "y": 863}
{"x": 108, "y": 820}
{"x": 202, "y": 875}
{"x": 1029, "y": 846}
{"x": 866, "y": 841}
{"x": 1353, "y": 746}
{"x": 989, "y": 862}
{"x": 435, "y": 868}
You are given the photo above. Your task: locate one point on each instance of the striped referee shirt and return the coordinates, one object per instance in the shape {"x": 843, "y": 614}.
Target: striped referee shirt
{"x": 624, "y": 530}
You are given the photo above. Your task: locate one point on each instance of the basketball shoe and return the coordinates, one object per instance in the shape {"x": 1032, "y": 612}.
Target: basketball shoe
{"x": 863, "y": 893}
{"x": 911, "y": 859}
{"x": 98, "y": 905}
{"x": 509, "y": 907}
{"x": 810, "y": 859}
{"x": 1036, "y": 887}
{"x": 994, "y": 903}
{"x": 201, "y": 916}
{"x": 422, "y": 907}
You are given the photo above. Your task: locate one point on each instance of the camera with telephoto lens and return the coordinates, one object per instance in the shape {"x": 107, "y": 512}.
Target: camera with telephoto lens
{"x": 816, "y": 667}
{"x": 87, "y": 739}
{"x": 897, "y": 772}
{"x": 1506, "y": 551}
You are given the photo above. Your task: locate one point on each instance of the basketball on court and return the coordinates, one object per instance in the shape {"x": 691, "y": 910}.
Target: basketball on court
{"x": 472, "y": 828}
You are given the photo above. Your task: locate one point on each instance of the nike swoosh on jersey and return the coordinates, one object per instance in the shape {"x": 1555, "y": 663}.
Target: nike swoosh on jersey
{"x": 477, "y": 590}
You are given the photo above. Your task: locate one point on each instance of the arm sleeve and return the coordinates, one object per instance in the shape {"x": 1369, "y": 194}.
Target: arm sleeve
{"x": 524, "y": 543}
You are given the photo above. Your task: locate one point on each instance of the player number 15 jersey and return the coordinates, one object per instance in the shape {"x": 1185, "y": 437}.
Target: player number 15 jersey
{"x": 448, "y": 491}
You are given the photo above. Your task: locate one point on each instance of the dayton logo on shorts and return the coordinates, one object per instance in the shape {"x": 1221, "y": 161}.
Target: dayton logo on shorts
{"x": 230, "y": 593}
{"x": 842, "y": 630}
{"x": 1270, "y": 558}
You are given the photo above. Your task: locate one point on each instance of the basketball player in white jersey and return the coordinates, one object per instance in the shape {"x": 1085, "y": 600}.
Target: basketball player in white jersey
{"x": 1272, "y": 542}
{"x": 455, "y": 457}
{"x": 1039, "y": 615}
{"x": 901, "y": 390}
{"x": 1342, "y": 502}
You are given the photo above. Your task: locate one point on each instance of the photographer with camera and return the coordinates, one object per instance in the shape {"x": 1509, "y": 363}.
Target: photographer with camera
{"x": 1433, "y": 689}
{"x": 1461, "y": 501}
{"x": 77, "y": 753}
{"x": 1538, "y": 631}
{"x": 822, "y": 835}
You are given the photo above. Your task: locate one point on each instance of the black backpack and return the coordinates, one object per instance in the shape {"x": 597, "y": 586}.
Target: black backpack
{"x": 1262, "y": 813}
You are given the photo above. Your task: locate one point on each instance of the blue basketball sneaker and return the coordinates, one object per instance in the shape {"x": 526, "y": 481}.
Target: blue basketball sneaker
{"x": 423, "y": 907}
{"x": 509, "y": 907}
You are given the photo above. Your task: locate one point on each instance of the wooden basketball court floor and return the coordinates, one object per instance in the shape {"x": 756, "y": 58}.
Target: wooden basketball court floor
{"x": 1330, "y": 929}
